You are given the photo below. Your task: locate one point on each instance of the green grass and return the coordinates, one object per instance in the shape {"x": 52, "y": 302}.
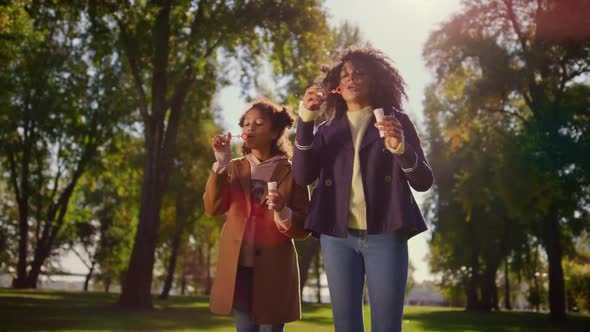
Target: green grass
{"x": 71, "y": 311}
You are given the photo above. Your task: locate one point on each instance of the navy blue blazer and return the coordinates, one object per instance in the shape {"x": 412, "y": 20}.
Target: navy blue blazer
{"x": 326, "y": 155}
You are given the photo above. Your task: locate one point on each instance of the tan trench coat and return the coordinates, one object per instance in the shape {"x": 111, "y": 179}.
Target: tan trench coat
{"x": 276, "y": 294}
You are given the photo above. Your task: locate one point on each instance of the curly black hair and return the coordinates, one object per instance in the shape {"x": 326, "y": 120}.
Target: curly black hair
{"x": 281, "y": 118}
{"x": 387, "y": 87}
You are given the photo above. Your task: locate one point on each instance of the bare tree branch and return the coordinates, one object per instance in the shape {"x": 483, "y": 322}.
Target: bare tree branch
{"x": 80, "y": 257}
{"x": 512, "y": 17}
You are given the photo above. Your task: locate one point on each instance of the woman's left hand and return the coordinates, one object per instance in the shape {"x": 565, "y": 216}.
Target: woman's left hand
{"x": 275, "y": 201}
{"x": 392, "y": 129}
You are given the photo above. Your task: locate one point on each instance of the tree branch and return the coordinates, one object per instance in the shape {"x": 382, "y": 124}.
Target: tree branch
{"x": 39, "y": 194}
{"x": 57, "y": 173}
{"x": 161, "y": 36}
{"x": 514, "y": 114}
{"x": 80, "y": 257}
{"x": 59, "y": 208}
{"x": 176, "y": 105}
{"x": 134, "y": 63}
{"x": 14, "y": 176}
{"x": 512, "y": 18}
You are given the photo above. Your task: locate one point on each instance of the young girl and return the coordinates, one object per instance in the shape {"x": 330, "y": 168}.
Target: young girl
{"x": 257, "y": 274}
{"x": 362, "y": 207}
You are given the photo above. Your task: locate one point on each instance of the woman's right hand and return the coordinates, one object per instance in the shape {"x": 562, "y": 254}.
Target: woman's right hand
{"x": 221, "y": 148}
{"x": 314, "y": 98}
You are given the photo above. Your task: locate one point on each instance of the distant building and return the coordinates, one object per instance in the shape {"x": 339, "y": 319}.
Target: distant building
{"x": 426, "y": 293}
{"x": 5, "y": 280}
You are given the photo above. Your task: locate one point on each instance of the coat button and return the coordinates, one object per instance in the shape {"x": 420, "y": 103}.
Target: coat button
{"x": 387, "y": 178}
{"x": 257, "y": 252}
{"x": 328, "y": 183}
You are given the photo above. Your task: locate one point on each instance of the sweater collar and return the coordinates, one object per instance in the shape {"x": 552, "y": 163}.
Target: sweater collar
{"x": 254, "y": 161}
{"x": 361, "y": 113}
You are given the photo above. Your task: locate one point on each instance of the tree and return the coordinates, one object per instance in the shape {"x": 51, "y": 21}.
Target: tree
{"x": 7, "y": 228}
{"x": 187, "y": 184}
{"x": 577, "y": 270}
{"x": 411, "y": 281}
{"x": 104, "y": 213}
{"x": 532, "y": 56}
{"x": 198, "y": 256}
{"x": 63, "y": 100}
{"x": 473, "y": 229}
{"x": 168, "y": 46}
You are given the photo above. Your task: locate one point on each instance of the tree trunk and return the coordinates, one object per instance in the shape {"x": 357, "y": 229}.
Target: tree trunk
{"x": 507, "y": 304}
{"x": 23, "y": 242}
{"x": 209, "y": 279}
{"x": 486, "y": 294}
{"x": 41, "y": 253}
{"x": 308, "y": 248}
{"x": 22, "y": 197}
{"x": 473, "y": 302}
{"x": 172, "y": 263}
{"x": 55, "y": 220}
{"x": 136, "y": 288}
{"x": 89, "y": 276}
{"x": 493, "y": 289}
{"x": 318, "y": 278}
{"x": 160, "y": 138}
{"x": 33, "y": 277}
{"x": 183, "y": 280}
{"x": 556, "y": 281}
{"x": 537, "y": 294}
{"x": 489, "y": 289}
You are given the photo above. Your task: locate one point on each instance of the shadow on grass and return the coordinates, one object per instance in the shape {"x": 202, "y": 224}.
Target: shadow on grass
{"x": 51, "y": 311}
{"x": 460, "y": 320}
{"x": 320, "y": 314}
{"x": 43, "y": 310}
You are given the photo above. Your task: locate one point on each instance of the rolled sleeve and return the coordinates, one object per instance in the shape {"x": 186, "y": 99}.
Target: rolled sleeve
{"x": 413, "y": 161}
{"x": 219, "y": 167}
{"x": 401, "y": 148}
{"x": 283, "y": 219}
{"x": 305, "y": 114}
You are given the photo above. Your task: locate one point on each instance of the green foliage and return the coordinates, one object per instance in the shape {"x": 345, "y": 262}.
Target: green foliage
{"x": 7, "y": 228}
{"x": 455, "y": 295}
{"x": 81, "y": 82}
{"x": 577, "y": 275}
{"x": 104, "y": 210}
{"x": 579, "y": 289}
{"x": 182, "y": 216}
{"x": 65, "y": 100}
{"x": 506, "y": 120}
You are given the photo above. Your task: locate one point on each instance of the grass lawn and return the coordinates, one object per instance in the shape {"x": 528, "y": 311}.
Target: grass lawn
{"x": 71, "y": 311}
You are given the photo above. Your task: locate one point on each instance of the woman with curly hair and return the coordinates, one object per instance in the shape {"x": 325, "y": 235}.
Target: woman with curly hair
{"x": 257, "y": 276}
{"x": 362, "y": 208}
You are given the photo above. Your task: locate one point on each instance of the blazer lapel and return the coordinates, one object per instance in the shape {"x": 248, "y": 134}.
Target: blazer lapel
{"x": 371, "y": 134}
{"x": 341, "y": 132}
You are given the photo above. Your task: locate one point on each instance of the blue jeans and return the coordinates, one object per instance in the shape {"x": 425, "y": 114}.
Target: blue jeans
{"x": 244, "y": 324}
{"x": 383, "y": 259}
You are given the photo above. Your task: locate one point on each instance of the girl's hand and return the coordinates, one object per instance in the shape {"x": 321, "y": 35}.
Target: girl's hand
{"x": 314, "y": 97}
{"x": 221, "y": 147}
{"x": 275, "y": 201}
{"x": 392, "y": 129}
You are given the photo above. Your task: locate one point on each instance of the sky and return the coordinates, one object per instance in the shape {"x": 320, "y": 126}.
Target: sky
{"x": 398, "y": 27}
